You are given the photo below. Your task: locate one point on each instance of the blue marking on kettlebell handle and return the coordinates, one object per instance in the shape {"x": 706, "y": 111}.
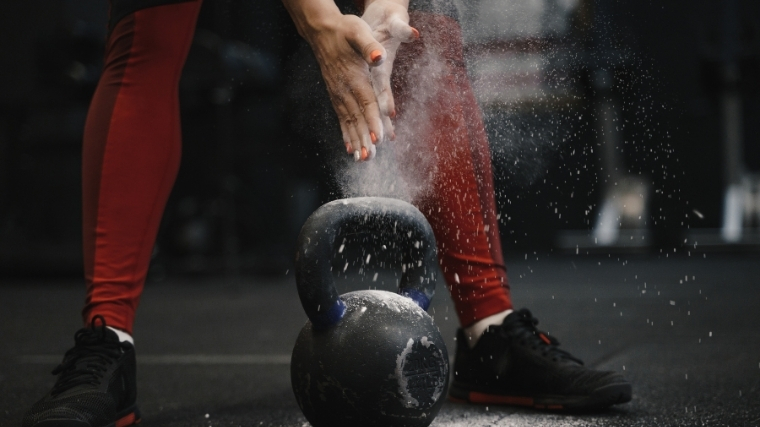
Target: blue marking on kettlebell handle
{"x": 329, "y": 317}
{"x": 417, "y": 296}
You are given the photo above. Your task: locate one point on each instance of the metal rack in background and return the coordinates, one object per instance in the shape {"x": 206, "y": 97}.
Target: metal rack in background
{"x": 532, "y": 67}
{"x": 558, "y": 61}
{"x": 731, "y": 58}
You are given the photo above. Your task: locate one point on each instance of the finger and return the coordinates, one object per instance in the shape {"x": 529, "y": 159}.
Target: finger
{"x": 389, "y": 129}
{"x": 372, "y": 119}
{"x": 364, "y": 43}
{"x": 366, "y": 102}
{"x": 372, "y": 152}
{"x": 385, "y": 100}
{"x": 356, "y": 144}
{"x": 347, "y": 139}
{"x": 350, "y": 136}
{"x": 381, "y": 83}
{"x": 362, "y": 137}
{"x": 344, "y": 134}
{"x": 349, "y": 122}
{"x": 402, "y": 31}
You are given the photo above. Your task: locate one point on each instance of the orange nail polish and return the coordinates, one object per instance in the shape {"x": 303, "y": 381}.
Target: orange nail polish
{"x": 349, "y": 148}
{"x": 393, "y": 136}
{"x": 416, "y": 33}
{"x": 373, "y": 137}
{"x": 375, "y": 55}
{"x": 364, "y": 153}
{"x": 393, "y": 114}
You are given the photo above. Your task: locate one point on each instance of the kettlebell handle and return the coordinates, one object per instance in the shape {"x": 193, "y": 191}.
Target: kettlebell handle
{"x": 404, "y": 226}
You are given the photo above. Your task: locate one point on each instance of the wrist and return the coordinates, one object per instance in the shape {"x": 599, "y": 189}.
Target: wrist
{"x": 312, "y": 16}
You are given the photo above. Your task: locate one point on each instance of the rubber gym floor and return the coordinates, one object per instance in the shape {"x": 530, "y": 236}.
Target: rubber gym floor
{"x": 214, "y": 351}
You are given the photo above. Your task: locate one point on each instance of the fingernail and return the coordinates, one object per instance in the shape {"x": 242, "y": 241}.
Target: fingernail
{"x": 373, "y": 137}
{"x": 416, "y": 33}
{"x": 375, "y": 55}
{"x": 349, "y": 148}
{"x": 357, "y": 156}
{"x": 393, "y": 114}
{"x": 364, "y": 153}
{"x": 393, "y": 136}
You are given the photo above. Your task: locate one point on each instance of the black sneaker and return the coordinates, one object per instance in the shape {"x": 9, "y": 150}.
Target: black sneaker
{"x": 516, "y": 364}
{"x": 96, "y": 384}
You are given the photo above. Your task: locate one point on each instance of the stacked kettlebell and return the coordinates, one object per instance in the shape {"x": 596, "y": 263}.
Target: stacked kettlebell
{"x": 368, "y": 358}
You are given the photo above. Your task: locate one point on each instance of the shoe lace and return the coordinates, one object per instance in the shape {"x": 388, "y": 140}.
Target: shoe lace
{"x": 88, "y": 360}
{"x": 523, "y": 327}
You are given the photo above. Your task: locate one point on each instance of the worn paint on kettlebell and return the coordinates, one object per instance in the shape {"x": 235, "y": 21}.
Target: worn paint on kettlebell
{"x": 421, "y": 373}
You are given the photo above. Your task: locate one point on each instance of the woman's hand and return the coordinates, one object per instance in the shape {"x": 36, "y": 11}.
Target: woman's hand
{"x": 389, "y": 21}
{"x": 345, "y": 49}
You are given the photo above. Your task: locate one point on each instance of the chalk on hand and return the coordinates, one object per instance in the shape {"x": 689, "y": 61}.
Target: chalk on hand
{"x": 372, "y": 152}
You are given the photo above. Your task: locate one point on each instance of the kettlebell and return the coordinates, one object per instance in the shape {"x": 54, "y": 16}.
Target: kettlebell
{"x": 370, "y": 357}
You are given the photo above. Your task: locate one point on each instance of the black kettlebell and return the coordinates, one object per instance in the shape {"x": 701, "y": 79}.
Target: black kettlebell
{"x": 368, "y": 358}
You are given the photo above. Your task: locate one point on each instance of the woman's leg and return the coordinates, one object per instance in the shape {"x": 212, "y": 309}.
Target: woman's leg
{"x": 131, "y": 152}
{"x": 438, "y": 115}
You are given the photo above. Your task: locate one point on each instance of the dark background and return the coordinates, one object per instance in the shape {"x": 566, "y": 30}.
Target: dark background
{"x": 253, "y": 118}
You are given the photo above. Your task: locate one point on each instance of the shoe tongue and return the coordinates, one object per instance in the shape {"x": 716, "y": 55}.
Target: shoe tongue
{"x": 110, "y": 335}
{"x": 93, "y": 346}
{"x": 98, "y": 334}
{"x": 521, "y": 317}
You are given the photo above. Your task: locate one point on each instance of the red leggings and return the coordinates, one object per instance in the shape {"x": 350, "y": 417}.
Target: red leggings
{"x": 132, "y": 147}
